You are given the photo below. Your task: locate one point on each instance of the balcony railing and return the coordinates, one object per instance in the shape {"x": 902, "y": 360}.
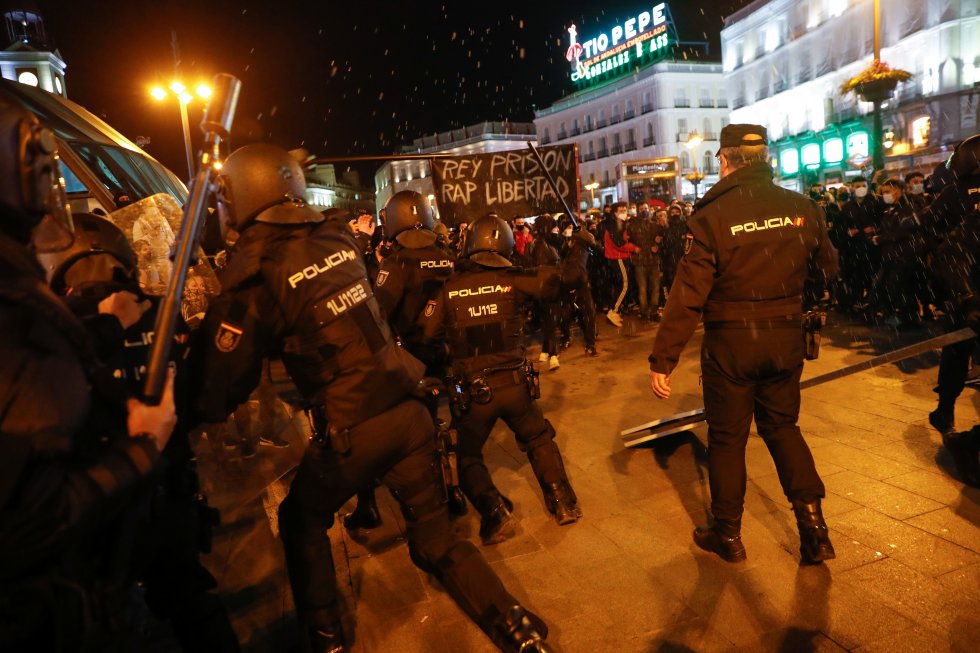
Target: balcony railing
{"x": 616, "y": 149}
{"x": 562, "y": 135}
{"x": 647, "y": 142}
{"x": 706, "y": 103}
{"x": 615, "y": 119}
{"x": 646, "y": 108}
{"x": 762, "y": 93}
{"x": 629, "y": 114}
{"x": 589, "y": 157}
{"x": 545, "y": 140}
{"x": 710, "y": 136}
{"x": 588, "y": 127}
{"x": 630, "y": 146}
{"x": 682, "y": 104}
{"x": 779, "y": 86}
{"x": 722, "y": 103}
{"x": 602, "y": 153}
{"x": 575, "y": 131}
{"x": 738, "y": 103}
{"x": 601, "y": 123}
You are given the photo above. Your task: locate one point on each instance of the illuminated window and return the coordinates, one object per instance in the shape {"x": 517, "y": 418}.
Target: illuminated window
{"x": 58, "y": 86}
{"x": 857, "y": 143}
{"x": 833, "y": 150}
{"x": 772, "y": 38}
{"x": 790, "y": 160}
{"x": 27, "y": 77}
{"x": 836, "y": 7}
{"x": 920, "y": 131}
{"x": 810, "y": 155}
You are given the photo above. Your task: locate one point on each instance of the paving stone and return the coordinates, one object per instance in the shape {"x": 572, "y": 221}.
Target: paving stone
{"x": 854, "y": 459}
{"x": 934, "y": 485}
{"x": 960, "y": 525}
{"x": 888, "y": 499}
{"x": 927, "y": 554}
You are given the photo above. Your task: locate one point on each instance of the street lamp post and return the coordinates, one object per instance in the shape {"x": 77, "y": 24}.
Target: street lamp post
{"x": 184, "y": 98}
{"x": 591, "y": 188}
{"x": 693, "y": 140}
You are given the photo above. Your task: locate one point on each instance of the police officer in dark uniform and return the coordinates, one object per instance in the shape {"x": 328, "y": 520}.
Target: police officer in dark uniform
{"x": 954, "y": 216}
{"x": 177, "y": 527}
{"x": 479, "y": 312}
{"x": 297, "y": 285}
{"x": 72, "y": 459}
{"x": 747, "y": 254}
{"x": 411, "y": 275}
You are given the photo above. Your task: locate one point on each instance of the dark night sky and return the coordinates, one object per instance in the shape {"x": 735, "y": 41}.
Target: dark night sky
{"x": 338, "y": 78}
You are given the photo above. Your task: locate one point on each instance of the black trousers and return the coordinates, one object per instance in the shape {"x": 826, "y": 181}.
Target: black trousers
{"x": 954, "y": 367}
{"x": 576, "y": 291}
{"x": 397, "y": 447}
{"x": 535, "y": 435}
{"x": 754, "y": 373}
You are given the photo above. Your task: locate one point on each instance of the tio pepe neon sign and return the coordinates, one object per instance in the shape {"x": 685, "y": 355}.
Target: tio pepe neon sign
{"x": 633, "y": 40}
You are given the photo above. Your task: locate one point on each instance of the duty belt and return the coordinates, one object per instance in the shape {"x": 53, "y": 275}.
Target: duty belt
{"x": 750, "y": 313}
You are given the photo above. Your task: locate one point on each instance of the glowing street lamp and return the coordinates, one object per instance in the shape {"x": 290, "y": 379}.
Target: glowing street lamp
{"x": 693, "y": 140}
{"x": 184, "y": 97}
{"x": 591, "y": 188}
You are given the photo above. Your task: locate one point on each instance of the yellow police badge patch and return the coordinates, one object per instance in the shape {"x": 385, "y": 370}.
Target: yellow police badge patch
{"x": 382, "y": 277}
{"x": 227, "y": 338}
{"x": 430, "y": 308}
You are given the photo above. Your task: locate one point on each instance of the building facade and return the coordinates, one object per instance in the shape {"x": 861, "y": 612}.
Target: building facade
{"x": 633, "y": 132}
{"x": 416, "y": 174}
{"x": 324, "y": 190}
{"x": 27, "y": 56}
{"x": 785, "y": 60}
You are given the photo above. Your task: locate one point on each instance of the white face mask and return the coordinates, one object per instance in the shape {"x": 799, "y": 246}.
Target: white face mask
{"x": 632, "y": 213}
{"x": 860, "y": 191}
{"x": 888, "y": 198}
{"x": 917, "y": 189}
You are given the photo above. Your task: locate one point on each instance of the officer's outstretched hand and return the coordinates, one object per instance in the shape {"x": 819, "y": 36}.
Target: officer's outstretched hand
{"x": 660, "y": 384}
{"x": 155, "y": 421}
{"x": 126, "y": 306}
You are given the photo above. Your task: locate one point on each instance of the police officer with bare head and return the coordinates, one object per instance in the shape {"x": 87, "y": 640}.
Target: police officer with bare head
{"x": 296, "y": 286}
{"x": 478, "y": 312}
{"x": 749, "y": 248}
{"x": 72, "y": 457}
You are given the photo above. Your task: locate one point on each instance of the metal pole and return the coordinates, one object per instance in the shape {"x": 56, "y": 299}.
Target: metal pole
{"x": 185, "y": 124}
{"x": 877, "y": 28}
{"x": 878, "y": 151}
{"x": 380, "y": 157}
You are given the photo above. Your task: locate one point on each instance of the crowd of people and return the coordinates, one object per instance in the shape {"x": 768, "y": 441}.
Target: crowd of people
{"x": 374, "y": 325}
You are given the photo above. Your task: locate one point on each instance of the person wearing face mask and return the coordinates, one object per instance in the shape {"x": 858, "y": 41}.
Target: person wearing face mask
{"x": 545, "y": 253}
{"x": 618, "y": 250}
{"x": 915, "y": 190}
{"x": 523, "y": 238}
{"x": 900, "y": 245}
{"x": 645, "y": 233}
{"x": 859, "y": 261}
{"x": 673, "y": 244}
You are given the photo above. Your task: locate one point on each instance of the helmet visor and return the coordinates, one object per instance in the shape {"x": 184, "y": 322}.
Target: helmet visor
{"x": 56, "y": 231}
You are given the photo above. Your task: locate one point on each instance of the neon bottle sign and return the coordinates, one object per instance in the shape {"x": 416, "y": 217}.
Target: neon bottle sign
{"x": 632, "y": 41}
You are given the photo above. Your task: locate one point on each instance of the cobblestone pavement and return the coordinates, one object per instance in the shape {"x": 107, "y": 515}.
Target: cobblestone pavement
{"x": 627, "y": 576}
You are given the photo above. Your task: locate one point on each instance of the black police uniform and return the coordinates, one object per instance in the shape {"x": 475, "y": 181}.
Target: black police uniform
{"x": 479, "y": 313}
{"x": 954, "y": 217}
{"x": 68, "y": 465}
{"x": 407, "y": 280}
{"x": 749, "y": 247}
{"x": 301, "y": 289}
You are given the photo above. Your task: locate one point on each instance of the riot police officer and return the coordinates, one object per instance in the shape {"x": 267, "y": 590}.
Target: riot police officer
{"x": 955, "y": 216}
{"x": 297, "y": 285}
{"x": 479, "y": 313}
{"x": 71, "y": 458}
{"x": 411, "y": 275}
{"x": 177, "y": 526}
{"x": 746, "y": 257}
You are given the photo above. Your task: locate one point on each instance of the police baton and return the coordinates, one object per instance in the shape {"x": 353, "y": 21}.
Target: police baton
{"x": 216, "y": 126}
{"x": 553, "y": 183}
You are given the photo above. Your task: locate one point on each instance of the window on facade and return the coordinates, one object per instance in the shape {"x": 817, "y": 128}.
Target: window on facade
{"x": 629, "y": 107}
{"x": 685, "y": 160}
{"x": 602, "y": 143}
{"x": 616, "y": 139}
{"x": 707, "y": 128}
{"x": 591, "y": 148}
{"x": 547, "y": 135}
{"x": 682, "y": 126}
{"x": 575, "y": 125}
{"x": 709, "y": 161}
{"x": 650, "y": 130}
{"x": 588, "y": 121}
{"x": 632, "y": 136}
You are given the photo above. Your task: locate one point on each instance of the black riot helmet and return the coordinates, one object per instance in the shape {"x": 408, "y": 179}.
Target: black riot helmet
{"x": 100, "y": 255}
{"x": 490, "y": 242}
{"x": 407, "y": 218}
{"x": 262, "y": 183}
{"x": 33, "y": 202}
{"x": 965, "y": 161}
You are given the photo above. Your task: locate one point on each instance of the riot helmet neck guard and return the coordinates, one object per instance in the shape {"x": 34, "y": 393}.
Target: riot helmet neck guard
{"x": 490, "y": 242}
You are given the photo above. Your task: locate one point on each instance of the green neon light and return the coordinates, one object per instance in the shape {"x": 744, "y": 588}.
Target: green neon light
{"x": 789, "y": 161}
{"x": 833, "y": 150}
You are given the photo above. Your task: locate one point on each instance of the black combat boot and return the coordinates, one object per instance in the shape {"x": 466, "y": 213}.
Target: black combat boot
{"x": 561, "y": 502}
{"x": 722, "y": 538}
{"x": 520, "y": 631}
{"x": 497, "y": 522}
{"x": 965, "y": 450}
{"x": 324, "y": 634}
{"x": 457, "y": 502}
{"x": 815, "y": 546}
{"x": 941, "y": 419}
{"x": 366, "y": 515}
